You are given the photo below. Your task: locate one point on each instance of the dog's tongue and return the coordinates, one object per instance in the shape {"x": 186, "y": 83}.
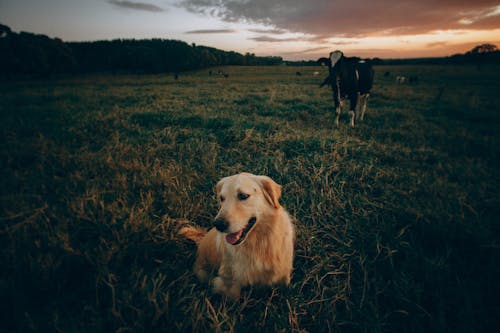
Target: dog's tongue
{"x": 234, "y": 237}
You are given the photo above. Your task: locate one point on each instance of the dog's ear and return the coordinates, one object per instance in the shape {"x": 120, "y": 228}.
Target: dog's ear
{"x": 218, "y": 188}
{"x": 272, "y": 190}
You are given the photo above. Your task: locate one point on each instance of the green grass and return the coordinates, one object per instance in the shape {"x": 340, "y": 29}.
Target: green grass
{"x": 397, "y": 219}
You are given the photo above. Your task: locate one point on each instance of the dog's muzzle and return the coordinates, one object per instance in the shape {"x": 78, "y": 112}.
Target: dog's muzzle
{"x": 238, "y": 237}
{"x": 221, "y": 225}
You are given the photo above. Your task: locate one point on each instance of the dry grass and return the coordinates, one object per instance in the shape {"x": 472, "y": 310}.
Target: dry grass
{"x": 397, "y": 219}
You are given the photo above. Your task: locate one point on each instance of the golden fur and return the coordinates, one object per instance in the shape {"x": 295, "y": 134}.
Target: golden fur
{"x": 264, "y": 256}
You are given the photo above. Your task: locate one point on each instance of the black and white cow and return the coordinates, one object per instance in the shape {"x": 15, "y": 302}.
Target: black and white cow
{"x": 351, "y": 78}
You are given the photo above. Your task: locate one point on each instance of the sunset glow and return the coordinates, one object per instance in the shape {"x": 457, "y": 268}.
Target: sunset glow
{"x": 292, "y": 29}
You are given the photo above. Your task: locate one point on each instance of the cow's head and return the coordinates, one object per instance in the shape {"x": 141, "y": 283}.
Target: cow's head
{"x": 331, "y": 61}
{"x": 335, "y": 56}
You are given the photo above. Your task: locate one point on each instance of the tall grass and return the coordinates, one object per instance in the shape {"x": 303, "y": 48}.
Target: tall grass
{"x": 397, "y": 219}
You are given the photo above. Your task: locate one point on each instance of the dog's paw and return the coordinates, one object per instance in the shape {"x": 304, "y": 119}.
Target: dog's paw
{"x": 202, "y": 275}
{"x": 218, "y": 285}
{"x": 234, "y": 292}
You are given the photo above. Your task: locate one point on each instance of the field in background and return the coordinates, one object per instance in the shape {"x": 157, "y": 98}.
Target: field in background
{"x": 397, "y": 219}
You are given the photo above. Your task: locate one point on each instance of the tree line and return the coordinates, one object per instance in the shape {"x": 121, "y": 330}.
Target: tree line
{"x": 38, "y": 55}
{"x": 35, "y": 55}
{"x": 479, "y": 55}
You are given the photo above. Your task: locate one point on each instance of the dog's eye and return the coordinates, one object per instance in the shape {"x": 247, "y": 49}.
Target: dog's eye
{"x": 222, "y": 199}
{"x": 242, "y": 196}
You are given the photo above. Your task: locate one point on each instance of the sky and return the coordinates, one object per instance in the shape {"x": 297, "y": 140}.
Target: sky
{"x": 292, "y": 29}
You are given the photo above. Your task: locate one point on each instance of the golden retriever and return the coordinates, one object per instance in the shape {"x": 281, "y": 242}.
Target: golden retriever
{"x": 252, "y": 239}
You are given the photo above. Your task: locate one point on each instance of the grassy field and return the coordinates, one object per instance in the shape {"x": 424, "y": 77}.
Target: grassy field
{"x": 397, "y": 219}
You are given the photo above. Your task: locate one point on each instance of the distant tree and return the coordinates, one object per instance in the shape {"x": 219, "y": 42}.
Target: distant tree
{"x": 483, "y": 49}
{"x": 33, "y": 55}
{"x": 249, "y": 59}
{"x": 481, "y": 54}
{"x": 5, "y": 52}
{"x": 4, "y": 31}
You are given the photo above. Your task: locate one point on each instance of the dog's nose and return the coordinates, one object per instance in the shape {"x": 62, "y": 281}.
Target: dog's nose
{"x": 221, "y": 224}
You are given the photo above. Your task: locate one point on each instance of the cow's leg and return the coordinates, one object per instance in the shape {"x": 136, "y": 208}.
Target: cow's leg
{"x": 353, "y": 101}
{"x": 337, "y": 115}
{"x": 359, "y": 103}
{"x": 363, "y": 105}
{"x": 336, "y": 101}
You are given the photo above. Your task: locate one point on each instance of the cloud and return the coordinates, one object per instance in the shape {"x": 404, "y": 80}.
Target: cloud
{"x": 268, "y": 31}
{"x": 354, "y": 18}
{"x": 136, "y": 6}
{"x": 437, "y": 44}
{"x": 270, "y": 39}
{"x": 211, "y": 31}
{"x": 480, "y": 17}
{"x": 314, "y": 50}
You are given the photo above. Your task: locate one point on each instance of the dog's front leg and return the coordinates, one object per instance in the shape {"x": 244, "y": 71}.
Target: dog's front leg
{"x": 225, "y": 284}
{"x": 230, "y": 289}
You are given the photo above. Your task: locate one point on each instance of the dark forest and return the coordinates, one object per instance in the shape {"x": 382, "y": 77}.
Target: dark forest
{"x": 39, "y": 56}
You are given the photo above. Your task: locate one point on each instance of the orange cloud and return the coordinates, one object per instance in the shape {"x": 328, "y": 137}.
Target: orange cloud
{"x": 355, "y": 18}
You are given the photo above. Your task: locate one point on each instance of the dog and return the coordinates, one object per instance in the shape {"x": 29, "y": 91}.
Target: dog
{"x": 252, "y": 241}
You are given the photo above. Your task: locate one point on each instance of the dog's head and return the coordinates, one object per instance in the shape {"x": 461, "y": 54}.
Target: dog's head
{"x": 245, "y": 200}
